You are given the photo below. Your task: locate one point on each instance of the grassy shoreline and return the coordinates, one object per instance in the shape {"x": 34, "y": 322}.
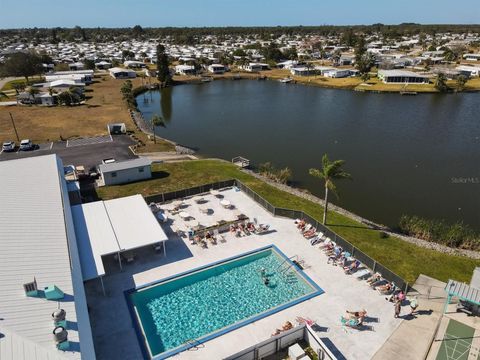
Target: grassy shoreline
{"x": 404, "y": 258}
{"x": 373, "y": 85}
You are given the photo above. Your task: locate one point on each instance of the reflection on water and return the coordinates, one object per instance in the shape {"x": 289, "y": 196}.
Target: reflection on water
{"x": 406, "y": 154}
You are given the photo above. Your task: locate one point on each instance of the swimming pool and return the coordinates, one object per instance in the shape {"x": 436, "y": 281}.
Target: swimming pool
{"x": 209, "y": 301}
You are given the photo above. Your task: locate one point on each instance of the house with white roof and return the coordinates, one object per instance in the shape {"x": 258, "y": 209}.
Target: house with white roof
{"x": 121, "y": 73}
{"x": 40, "y": 265}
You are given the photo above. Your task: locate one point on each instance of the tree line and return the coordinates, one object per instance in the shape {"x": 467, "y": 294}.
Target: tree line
{"x": 191, "y": 36}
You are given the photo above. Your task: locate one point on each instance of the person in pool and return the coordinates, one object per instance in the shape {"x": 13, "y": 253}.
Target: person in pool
{"x": 266, "y": 281}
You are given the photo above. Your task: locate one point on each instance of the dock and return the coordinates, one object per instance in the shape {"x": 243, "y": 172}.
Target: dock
{"x": 241, "y": 162}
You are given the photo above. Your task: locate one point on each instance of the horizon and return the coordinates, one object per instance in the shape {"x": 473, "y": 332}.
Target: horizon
{"x": 213, "y": 13}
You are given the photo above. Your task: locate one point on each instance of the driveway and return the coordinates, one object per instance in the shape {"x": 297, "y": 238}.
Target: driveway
{"x": 88, "y": 152}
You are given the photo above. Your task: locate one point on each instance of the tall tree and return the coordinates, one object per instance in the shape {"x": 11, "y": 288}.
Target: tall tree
{"x": 330, "y": 171}
{"x": 441, "y": 82}
{"x": 23, "y": 64}
{"x": 461, "y": 81}
{"x": 157, "y": 120}
{"x": 164, "y": 75}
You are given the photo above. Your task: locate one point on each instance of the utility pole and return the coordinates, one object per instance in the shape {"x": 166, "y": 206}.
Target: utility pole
{"x": 14, "y": 127}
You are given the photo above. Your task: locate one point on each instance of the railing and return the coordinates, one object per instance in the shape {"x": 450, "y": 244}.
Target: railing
{"x": 279, "y": 342}
{"x": 291, "y": 214}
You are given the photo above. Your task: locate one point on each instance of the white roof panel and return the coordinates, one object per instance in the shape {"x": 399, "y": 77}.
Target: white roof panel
{"x": 33, "y": 244}
{"x": 95, "y": 237}
{"x": 106, "y": 227}
{"x": 133, "y": 222}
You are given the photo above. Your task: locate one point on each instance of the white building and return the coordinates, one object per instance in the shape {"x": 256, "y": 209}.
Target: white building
{"x": 125, "y": 171}
{"x": 134, "y": 64}
{"x": 469, "y": 71}
{"x": 402, "y": 76}
{"x": 255, "y": 67}
{"x": 185, "y": 70}
{"x": 121, "y": 73}
{"x": 472, "y": 57}
{"x": 217, "y": 68}
{"x": 337, "y": 73}
{"x": 39, "y": 252}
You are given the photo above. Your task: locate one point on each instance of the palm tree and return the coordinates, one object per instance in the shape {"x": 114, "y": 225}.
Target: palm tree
{"x": 331, "y": 170}
{"x": 157, "y": 120}
{"x": 33, "y": 91}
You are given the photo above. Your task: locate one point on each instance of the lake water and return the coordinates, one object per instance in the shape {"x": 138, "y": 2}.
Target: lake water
{"x": 407, "y": 154}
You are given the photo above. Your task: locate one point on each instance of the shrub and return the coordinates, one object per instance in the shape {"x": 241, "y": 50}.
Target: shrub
{"x": 456, "y": 235}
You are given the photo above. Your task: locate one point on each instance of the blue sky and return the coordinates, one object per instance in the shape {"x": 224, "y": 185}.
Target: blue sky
{"x": 159, "y": 13}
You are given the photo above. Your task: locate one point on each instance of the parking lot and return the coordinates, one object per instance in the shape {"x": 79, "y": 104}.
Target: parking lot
{"x": 88, "y": 152}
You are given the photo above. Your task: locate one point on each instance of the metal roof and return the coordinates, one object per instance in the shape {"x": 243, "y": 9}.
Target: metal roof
{"x": 123, "y": 165}
{"x": 34, "y": 243}
{"x": 107, "y": 227}
{"x": 400, "y": 73}
{"x": 463, "y": 291}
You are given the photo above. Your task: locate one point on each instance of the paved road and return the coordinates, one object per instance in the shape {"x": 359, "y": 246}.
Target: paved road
{"x": 3, "y": 81}
{"x": 89, "y": 155}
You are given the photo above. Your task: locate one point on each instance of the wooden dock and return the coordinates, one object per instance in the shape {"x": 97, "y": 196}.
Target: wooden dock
{"x": 241, "y": 162}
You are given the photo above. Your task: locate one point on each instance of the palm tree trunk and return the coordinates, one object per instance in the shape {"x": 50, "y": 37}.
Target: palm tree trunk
{"x": 326, "y": 206}
{"x": 154, "y": 137}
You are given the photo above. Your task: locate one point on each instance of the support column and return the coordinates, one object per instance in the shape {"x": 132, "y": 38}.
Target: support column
{"x": 120, "y": 261}
{"x": 103, "y": 287}
{"x": 449, "y": 298}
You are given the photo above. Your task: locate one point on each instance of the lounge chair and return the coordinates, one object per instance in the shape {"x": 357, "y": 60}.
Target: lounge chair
{"x": 218, "y": 236}
{"x": 352, "y": 267}
{"x": 361, "y": 274}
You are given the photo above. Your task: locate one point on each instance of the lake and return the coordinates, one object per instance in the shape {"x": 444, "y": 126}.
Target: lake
{"x": 407, "y": 154}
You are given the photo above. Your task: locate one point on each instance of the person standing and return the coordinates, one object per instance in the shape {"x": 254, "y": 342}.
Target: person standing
{"x": 413, "y": 304}
{"x": 398, "y": 308}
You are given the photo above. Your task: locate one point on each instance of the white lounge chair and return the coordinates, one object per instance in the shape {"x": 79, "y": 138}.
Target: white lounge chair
{"x": 360, "y": 274}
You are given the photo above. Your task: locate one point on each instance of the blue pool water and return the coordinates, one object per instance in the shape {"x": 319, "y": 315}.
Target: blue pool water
{"x": 213, "y": 298}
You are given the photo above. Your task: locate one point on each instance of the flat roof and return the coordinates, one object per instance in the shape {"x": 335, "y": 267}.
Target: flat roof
{"x": 403, "y": 73}
{"x": 35, "y": 243}
{"x": 112, "y": 226}
{"x": 123, "y": 165}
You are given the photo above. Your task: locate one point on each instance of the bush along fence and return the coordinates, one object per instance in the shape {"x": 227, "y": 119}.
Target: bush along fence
{"x": 291, "y": 214}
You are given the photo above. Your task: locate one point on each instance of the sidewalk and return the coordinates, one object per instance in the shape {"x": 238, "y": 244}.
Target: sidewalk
{"x": 413, "y": 337}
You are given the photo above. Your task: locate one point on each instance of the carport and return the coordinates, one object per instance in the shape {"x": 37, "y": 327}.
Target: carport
{"x": 113, "y": 227}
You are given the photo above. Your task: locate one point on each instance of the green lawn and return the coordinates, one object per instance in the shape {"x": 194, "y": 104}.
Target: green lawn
{"x": 405, "y": 259}
{"x": 9, "y": 85}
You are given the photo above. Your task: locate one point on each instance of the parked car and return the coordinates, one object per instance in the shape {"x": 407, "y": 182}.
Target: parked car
{"x": 8, "y": 146}
{"x": 26, "y": 145}
{"x": 108, "y": 161}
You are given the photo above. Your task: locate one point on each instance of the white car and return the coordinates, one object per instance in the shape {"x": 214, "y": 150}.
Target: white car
{"x": 26, "y": 144}
{"x": 8, "y": 146}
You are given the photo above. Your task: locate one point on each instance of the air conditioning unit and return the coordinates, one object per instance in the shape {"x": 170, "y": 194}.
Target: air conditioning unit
{"x": 31, "y": 288}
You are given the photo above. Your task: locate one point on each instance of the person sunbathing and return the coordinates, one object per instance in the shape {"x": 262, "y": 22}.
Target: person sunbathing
{"x": 301, "y": 224}
{"x": 302, "y": 320}
{"x": 251, "y": 227}
{"x": 310, "y": 233}
{"x": 385, "y": 289}
{"x": 233, "y": 229}
{"x": 287, "y": 326}
{"x": 360, "y": 315}
{"x": 374, "y": 278}
{"x": 209, "y": 237}
{"x": 352, "y": 267}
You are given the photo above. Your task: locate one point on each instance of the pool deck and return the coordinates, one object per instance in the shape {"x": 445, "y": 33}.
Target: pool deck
{"x": 113, "y": 331}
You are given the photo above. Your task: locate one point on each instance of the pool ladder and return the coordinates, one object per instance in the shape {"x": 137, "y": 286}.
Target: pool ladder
{"x": 193, "y": 343}
{"x": 289, "y": 264}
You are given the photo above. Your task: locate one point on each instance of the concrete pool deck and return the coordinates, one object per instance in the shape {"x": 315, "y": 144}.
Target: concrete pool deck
{"x": 113, "y": 330}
